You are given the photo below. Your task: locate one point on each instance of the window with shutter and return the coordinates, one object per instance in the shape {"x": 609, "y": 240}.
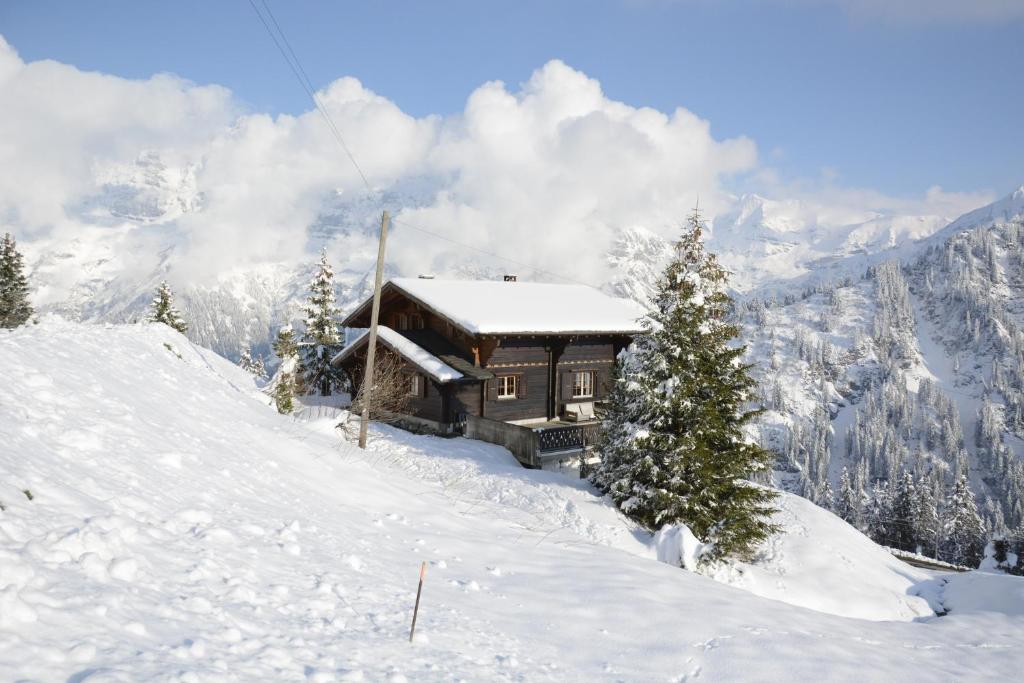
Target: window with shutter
{"x": 566, "y": 386}
{"x": 507, "y": 386}
{"x": 414, "y": 385}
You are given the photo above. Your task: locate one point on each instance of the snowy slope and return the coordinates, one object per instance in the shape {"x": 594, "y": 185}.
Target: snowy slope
{"x": 180, "y": 529}
{"x": 822, "y": 563}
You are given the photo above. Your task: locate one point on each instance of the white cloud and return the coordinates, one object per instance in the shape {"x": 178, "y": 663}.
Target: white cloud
{"x": 58, "y": 123}
{"x": 547, "y": 173}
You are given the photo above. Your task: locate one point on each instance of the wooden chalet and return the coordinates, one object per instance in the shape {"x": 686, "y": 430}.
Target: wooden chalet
{"x": 524, "y": 365}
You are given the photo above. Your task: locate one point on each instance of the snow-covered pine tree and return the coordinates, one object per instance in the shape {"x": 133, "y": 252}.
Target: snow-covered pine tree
{"x": 15, "y": 308}
{"x": 1000, "y": 552}
{"x": 1017, "y": 548}
{"x": 827, "y": 497}
{"x": 848, "y": 503}
{"x": 285, "y": 346}
{"x": 252, "y": 365}
{"x": 259, "y": 368}
{"x": 902, "y": 533}
{"x": 926, "y": 519}
{"x": 673, "y": 449}
{"x": 164, "y": 310}
{"x": 322, "y": 339}
{"x": 284, "y": 394}
{"x": 283, "y": 385}
{"x": 245, "y": 360}
{"x": 878, "y": 514}
{"x": 964, "y": 531}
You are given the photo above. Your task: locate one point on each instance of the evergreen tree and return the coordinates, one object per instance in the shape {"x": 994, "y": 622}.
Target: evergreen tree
{"x": 848, "y": 504}
{"x": 283, "y": 385}
{"x": 964, "y": 531}
{"x": 15, "y": 309}
{"x": 283, "y": 393}
{"x": 245, "y": 360}
{"x": 827, "y": 497}
{"x": 322, "y": 340}
{"x": 252, "y": 365}
{"x": 285, "y": 346}
{"x": 164, "y": 310}
{"x": 926, "y": 519}
{"x": 1000, "y": 552}
{"x": 879, "y": 514}
{"x": 903, "y": 535}
{"x": 1017, "y": 548}
{"x": 673, "y": 450}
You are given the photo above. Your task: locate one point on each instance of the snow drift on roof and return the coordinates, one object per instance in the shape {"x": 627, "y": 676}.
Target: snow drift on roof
{"x": 490, "y": 307}
{"x": 417, "y": 355}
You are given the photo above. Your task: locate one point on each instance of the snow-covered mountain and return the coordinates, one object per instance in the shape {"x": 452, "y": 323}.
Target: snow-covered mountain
{"x": 126, "y": 237}
{"x": 219, "y": 540}
{"x": 906, "y": 364}
{"x": 765, "y": 241}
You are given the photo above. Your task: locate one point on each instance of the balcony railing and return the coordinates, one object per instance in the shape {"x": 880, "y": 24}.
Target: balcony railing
{"x": 570, "y": 437}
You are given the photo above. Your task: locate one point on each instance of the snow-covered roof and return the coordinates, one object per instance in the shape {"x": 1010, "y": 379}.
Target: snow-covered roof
{"x": 417, "y": 355}
{"x": 491, "y": 307}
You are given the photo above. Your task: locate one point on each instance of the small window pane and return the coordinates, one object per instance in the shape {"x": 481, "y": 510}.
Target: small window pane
{"x": 583, "y": 385}
{"x": 507, "y": 385}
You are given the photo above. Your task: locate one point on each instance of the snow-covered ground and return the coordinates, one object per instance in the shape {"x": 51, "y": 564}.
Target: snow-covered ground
{"x": 179, "y": 529}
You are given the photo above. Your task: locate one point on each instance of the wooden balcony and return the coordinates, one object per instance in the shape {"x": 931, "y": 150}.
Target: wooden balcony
{"x": 534, "y": 446}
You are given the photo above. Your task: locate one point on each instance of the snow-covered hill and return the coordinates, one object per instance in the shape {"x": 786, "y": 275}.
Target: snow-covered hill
{"x": 161, "y": 521}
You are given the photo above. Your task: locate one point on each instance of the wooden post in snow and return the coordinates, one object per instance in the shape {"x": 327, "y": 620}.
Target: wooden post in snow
{"x": 416, "y": 609}
{"x": 371, "y": 350}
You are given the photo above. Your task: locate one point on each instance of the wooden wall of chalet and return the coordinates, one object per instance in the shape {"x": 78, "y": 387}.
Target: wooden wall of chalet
{"x": 464, "y": 398}
{"x": 429, "y": 404}
{"x": 528, "y": 359}
{"x": 595, "y": 354}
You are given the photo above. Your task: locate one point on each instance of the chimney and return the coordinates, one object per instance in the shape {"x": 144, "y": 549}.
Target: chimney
{"x": 510, "y": 278}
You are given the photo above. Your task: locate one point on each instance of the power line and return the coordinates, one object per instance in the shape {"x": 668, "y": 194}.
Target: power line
{"x": 307, "y": 85}
{"x": 295, "y": 64}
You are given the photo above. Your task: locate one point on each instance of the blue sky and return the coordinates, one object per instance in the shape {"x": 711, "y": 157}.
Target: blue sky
{"x": 896, "y": 101}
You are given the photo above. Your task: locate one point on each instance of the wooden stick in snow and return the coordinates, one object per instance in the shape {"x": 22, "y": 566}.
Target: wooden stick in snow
{"x": 416, "y": 609}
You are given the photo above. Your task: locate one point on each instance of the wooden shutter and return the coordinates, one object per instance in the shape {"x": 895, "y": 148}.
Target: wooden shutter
{"x": 423, "y": 385}
{"x": 521, "y": 386}
{"x": 492, "y": 389}
{"x": 567, "y": 380}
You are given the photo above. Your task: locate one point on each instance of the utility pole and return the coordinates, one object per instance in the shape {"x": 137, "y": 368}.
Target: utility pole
{"x": 371, "y": 351}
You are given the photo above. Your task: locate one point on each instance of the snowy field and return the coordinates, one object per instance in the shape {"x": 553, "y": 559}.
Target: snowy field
{"x": 180, "y": 530}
